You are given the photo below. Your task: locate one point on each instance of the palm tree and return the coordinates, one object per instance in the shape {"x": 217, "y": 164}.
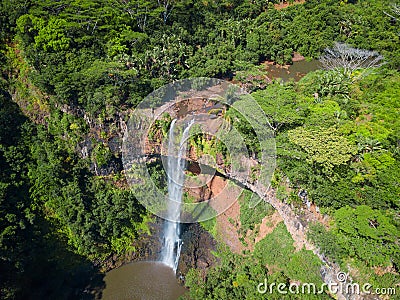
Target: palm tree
{"x": 368, "y": 144}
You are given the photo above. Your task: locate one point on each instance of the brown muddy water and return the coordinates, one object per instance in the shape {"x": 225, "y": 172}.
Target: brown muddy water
{"x": 142, "y": 281}
{"x": 295, "y": 71}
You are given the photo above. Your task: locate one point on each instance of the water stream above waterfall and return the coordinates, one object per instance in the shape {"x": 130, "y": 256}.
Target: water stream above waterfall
{"x": 176, "y": 177}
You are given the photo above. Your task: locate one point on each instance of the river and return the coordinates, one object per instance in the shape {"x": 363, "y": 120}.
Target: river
{"x": 295, "y": 71}
{"x": 142, "y": 281}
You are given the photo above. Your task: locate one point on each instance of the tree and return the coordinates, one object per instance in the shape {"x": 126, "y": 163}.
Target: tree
{"x": 395, "y": 12}
{"x": 368, "y": 234}
{"x": 342, "y": 57}
{"x": 29, "y": 242}
{"x": 168, "y": 6}
{"x": 280, "y": 106}
{"x": 325, "y": 147}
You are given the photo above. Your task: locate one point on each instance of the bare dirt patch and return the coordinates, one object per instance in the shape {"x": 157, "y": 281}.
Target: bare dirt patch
{"x": 228, "y": 222}
{"x": 285, "y": 4}
{"x": 268, "y": 225}
{"x": 297, "y": 57}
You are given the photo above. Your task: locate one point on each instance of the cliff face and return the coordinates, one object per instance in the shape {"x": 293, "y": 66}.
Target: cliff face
{"x": 196, "y": 252}
{"x": 100, "y": 142}
{"x": 196, "y": 249}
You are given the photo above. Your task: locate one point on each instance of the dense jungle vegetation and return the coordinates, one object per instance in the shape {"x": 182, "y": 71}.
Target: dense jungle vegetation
{"x": 72, "y": 70}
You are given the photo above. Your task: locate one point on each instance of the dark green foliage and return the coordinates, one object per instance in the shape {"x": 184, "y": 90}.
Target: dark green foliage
{"x": 94, "y": 215}
{"x": 281, "y": 107}
{"x": 97, "y": 54}
{"x": 246, "y": 130}
{"x": 327, "y": 242}
{"x": 31, "y": 251}
{"x": 54, "y": 214}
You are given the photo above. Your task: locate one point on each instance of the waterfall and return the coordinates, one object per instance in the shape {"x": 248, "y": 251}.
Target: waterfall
{"x": 176, "y": 177}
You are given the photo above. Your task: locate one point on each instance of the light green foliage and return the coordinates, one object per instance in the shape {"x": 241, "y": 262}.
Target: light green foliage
{"x": 363, "y": 128}
{"x": 211, "y": 226}
{"x": 325, "y": 113}
{"x": 27, "y": 23}
{"x": 370, "y": 164}
{"x": 52, "y": 36}
{"x": 366, "y": 235}
{"x": 250, "y": 218}
{"x": 325, "y": 147}
{"x": 365, "y": 222}
{"x": 281, "y": 106}
{"x": 276, "y": 250}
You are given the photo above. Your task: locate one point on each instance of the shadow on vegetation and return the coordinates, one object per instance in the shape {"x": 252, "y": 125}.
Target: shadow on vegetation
{"x": 35, "y": 260}
{"x": 46, "y": 269}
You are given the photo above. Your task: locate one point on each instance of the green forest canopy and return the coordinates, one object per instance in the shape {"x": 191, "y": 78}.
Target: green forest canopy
{"x": 101, "y": 58}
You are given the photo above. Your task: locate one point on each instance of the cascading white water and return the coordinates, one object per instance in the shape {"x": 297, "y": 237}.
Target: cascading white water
{"x": 176, "y": 177}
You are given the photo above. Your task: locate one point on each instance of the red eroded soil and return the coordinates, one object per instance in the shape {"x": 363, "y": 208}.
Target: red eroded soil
{"x": 268, "y": 225}
{"x": 228, "y": 222}
{"x": 224, "y": 198}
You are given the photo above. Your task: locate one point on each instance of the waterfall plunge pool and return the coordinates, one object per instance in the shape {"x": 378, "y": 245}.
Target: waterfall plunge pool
{"x": 142, "y": 281}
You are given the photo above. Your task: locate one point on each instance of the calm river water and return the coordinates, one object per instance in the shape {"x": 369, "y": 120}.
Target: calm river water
{"x": 297, "y": 70}
{"x": 142, "y": 281}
